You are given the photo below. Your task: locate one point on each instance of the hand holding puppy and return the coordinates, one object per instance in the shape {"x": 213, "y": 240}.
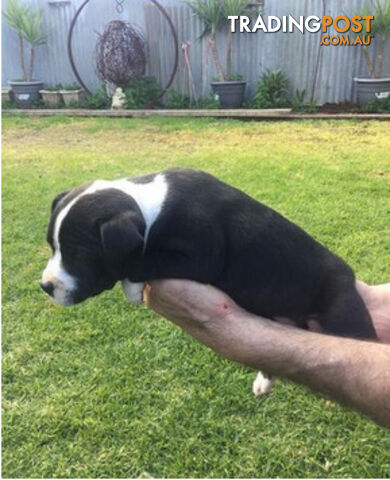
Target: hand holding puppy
{"x": 353, "y": 372}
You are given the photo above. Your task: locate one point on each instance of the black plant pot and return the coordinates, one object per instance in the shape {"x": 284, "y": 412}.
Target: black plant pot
{"x": 26, "y": 93}
{"x": 231, "y": 94}
{"x": 368, "y": 89}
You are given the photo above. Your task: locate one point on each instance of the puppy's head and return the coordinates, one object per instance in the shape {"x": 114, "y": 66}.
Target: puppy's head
{"x": 94, "y": 233}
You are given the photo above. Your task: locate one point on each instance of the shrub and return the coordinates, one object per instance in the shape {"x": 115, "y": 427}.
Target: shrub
{"x": 141, "y": 92}
{"x": 208, "y": 103}
{"x": 54, "y": 88}
{"x": 9, "y": 104}
{"x": 378, "y": 105}
{"x": 70, "y": 87}
{"x": 235, "y": 77}
{"x": 179, "y": 100}
{"x": 97, "y": 100}
{"x": 271, "y": 90}
{"x": 298, "y": 103}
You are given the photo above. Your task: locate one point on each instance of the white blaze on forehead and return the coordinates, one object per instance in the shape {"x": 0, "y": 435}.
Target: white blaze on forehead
{"x": 149, "y": 197}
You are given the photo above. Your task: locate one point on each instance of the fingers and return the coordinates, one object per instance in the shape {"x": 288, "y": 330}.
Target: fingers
{"x": 168, "y": 298}
{"x": 314, "y": 325}
{"x": 286, "y": 321}
{"x": 364, "y": 291}
{"x": 382, "y": 327}
{"x": 188, "y": 300}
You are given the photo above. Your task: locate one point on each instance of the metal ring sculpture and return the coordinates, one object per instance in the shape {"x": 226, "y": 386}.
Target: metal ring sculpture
{"x": 175, "y": 41}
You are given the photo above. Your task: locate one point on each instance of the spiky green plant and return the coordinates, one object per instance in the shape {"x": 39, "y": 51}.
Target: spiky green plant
{"x": 210, "y": 13}
{"x": 214, "y": 14}
{"x": 27, "y": 23}
{"x": 13, "y": 16}
{"x": 231, "y": 8}
{"x": 271, "y": 91}
{"x": 380, "y": 29}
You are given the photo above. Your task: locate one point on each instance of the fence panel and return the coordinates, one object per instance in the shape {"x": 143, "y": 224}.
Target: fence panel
{"x": 325, "y": 73}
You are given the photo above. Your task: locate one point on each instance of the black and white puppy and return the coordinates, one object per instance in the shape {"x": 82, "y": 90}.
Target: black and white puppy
{"x": 188, "y": 224}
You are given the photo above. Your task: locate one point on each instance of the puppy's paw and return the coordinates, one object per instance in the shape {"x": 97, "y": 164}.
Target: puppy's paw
{"x": 263, "y": 384}
{"x": 133, "y": 291}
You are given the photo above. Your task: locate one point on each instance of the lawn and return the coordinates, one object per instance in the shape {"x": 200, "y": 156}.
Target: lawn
{"x": 106, "y": 389}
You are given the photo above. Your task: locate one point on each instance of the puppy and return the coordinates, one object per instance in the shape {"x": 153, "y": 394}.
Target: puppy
{"x": 188, "y": 224}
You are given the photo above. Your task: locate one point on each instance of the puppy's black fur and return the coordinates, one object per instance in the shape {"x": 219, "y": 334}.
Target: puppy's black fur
{"x": 213, "y": 233}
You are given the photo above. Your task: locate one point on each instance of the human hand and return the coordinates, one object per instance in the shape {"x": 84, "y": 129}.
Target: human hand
{"x": 210, "y": 316}
{"x": 195, "y": 306}
{"x": 377, "y": 301}
{"x": 191, "y": 305}
{"x": 341, "y": 368}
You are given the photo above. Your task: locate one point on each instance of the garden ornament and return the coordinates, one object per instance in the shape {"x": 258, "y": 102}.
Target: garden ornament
{"x": 118, "y": 100}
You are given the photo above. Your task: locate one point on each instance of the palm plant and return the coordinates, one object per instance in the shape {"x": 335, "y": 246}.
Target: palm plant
{"x": 230, "y": 8}
{"x": 14, "y": 17}
{"x": 214, "y": 14}
{"x": 27, "y": 23}
{"x": 381, "y": 31}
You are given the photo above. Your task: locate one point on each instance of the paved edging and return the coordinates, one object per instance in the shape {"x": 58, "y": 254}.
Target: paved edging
{"x": 252, "y": 114}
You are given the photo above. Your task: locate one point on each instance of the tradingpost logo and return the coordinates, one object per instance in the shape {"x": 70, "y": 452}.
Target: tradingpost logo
{"x": 349, "y": 31}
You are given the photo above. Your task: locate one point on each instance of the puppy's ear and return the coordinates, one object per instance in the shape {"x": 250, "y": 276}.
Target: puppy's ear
{"x": 121, "y": 236}
{"x": 58, "y": 198}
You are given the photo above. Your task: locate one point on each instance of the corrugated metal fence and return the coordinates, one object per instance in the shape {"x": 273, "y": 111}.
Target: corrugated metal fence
{"x": 325, "y": 72}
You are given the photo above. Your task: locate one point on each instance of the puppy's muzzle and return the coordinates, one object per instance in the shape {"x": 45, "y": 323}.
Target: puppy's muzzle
{"x": 47, "y": 287}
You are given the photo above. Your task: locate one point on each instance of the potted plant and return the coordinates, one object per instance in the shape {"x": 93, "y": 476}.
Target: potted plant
{"x": 214, "y": 14}
{"x": 6, "y": 94}
{"x": 72, "y": 94}
{"x": 27, "y": 23}
{"x": 52, "y": 95}
{"x": 377, "y": 85}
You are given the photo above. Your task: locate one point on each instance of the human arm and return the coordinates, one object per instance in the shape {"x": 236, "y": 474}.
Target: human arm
{"x": 353, "y": 372}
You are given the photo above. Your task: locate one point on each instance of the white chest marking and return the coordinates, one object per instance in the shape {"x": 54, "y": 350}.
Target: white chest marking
{"x": 133, "y": 291}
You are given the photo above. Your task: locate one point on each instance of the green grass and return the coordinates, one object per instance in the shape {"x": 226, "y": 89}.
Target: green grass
{"x": 106, "y": 389}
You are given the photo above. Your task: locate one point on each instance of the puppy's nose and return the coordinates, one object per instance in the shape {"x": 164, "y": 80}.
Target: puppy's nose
{"x": 48, "y": 287}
